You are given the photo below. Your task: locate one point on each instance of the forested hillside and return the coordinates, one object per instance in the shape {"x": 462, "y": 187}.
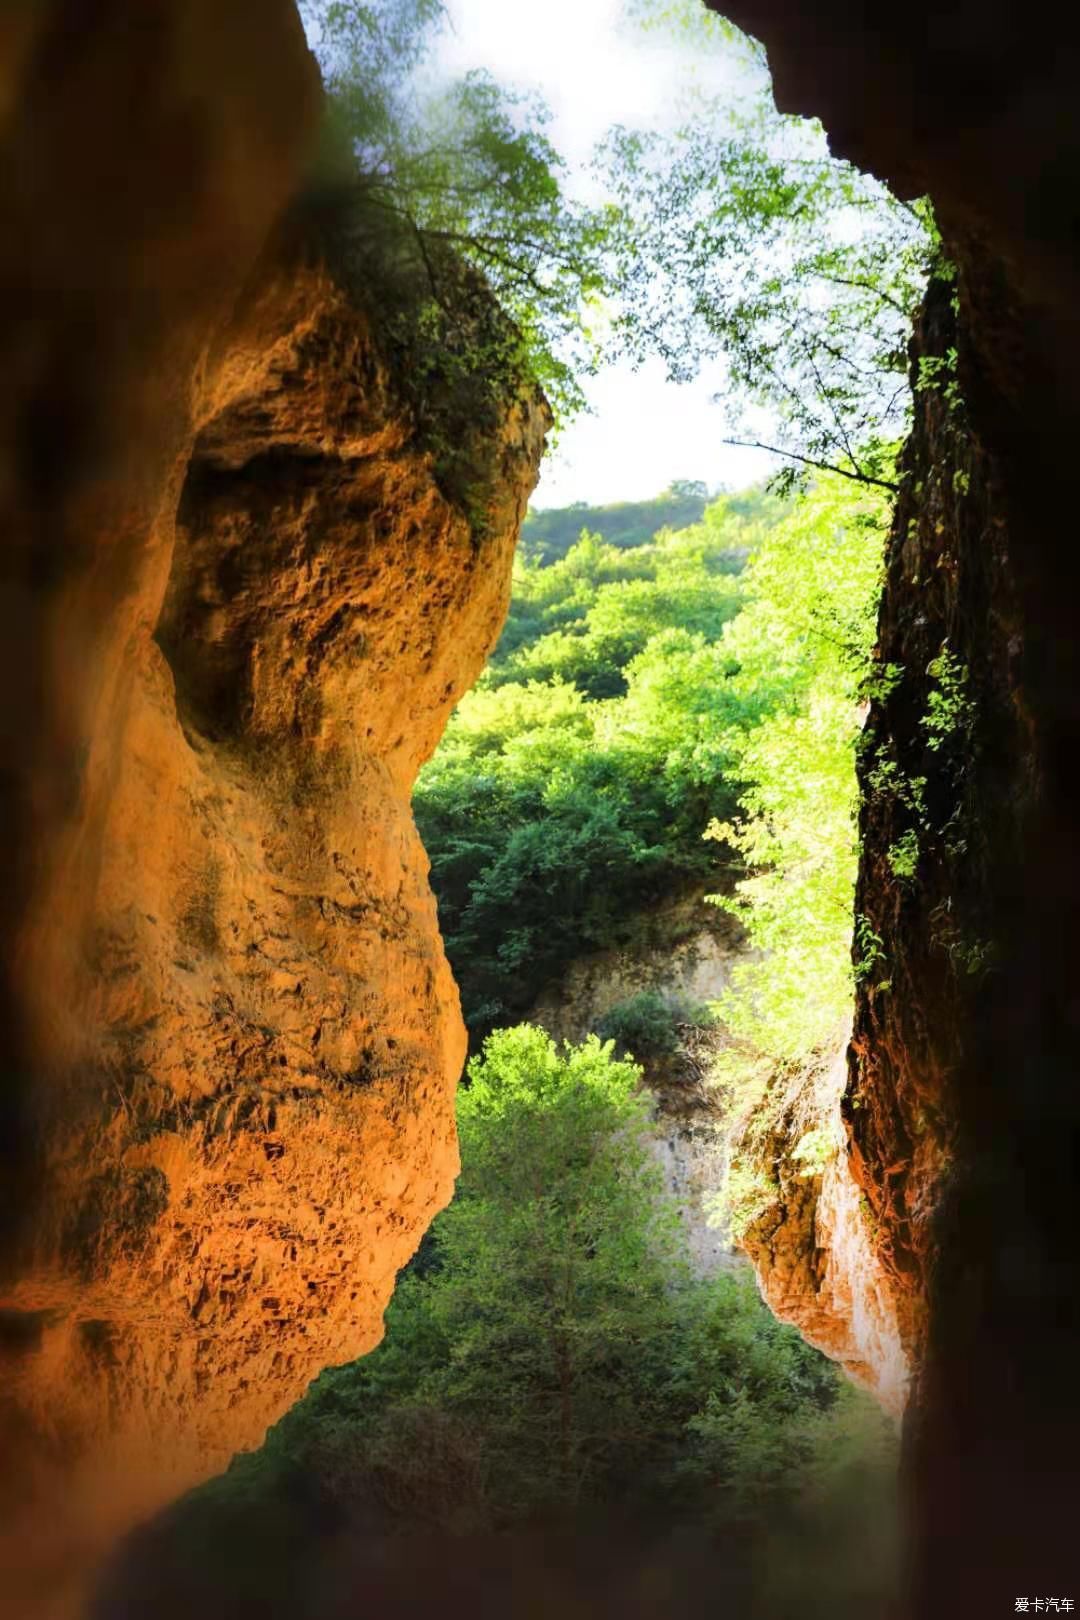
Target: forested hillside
{"x": 620, "y": 719}
{"x": 548, "y": 532}
{"x": 576, "y": 780}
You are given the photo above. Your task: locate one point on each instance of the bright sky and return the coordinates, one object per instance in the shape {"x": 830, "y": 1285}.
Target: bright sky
{"x": 643, "y": 430}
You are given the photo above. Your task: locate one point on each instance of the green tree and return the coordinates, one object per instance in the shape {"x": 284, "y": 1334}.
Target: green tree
{"x": 574, "y": 783}
{"x": 561, "y": 1262}
{"x": 553, "y": 1364}
{"x": 463, "y": 173}
{"x": 802, "y": 644}
{"x": 737, "y": 233}
{"x": 556, "y": 1354}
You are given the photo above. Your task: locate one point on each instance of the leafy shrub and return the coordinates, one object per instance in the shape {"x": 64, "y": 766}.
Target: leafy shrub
{"x": 644, "y": 1025}
{"x": 807, "y": 630}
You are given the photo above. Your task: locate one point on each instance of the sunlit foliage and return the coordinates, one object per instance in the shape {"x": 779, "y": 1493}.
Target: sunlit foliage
{"x": 734, "y": 233}
{"x": 549, "y": 533}
{"x": 469, "y": 171}
{"x": 737, "y": 233}
{"x": 740, "y": 235}
{"x": 575, "y": 782}
{"x": 804, "y": 637}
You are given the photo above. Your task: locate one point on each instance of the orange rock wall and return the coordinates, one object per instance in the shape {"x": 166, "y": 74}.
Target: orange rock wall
{"x": 238, "y": 610}
{"x": 817, "y": 1264}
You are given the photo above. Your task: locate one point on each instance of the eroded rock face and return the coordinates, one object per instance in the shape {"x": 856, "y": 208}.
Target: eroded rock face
{"x": 816, "y": 1260}
{"x": 948, "y": 771}
{"x": 239, "y": 610}
{"x": 685, "y": 951}
{"x": 962, "y": 1108}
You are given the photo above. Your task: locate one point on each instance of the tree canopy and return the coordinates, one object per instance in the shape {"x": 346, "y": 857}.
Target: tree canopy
{"x": 576, "y": 781}
{"x": 732, "y": 233}
{"x": 803, "y": 645}
{"x": 740, "y": 235}
{"x": 548, "y": 533}
{"x": 468, "y": 170}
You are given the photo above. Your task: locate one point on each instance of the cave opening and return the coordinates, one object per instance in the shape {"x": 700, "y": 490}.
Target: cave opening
{"x": 746, "y": 807}
{"x": 641, "y": 825}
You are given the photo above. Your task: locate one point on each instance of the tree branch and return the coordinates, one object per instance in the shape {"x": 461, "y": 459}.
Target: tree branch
{"x": 866, "y": 286}
{"x": 809, "y": 461}
{"x": 835, "y": 414}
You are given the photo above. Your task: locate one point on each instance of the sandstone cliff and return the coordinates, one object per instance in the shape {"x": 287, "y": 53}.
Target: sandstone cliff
{"x": 813, "y": 1245}
{"x": 255, "y": 571}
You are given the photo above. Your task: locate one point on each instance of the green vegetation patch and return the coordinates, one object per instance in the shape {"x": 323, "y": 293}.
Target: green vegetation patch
{"x": 548, "y": 533}
{"x": 576, "y": 780}
{"x": 644, "y": 1026}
